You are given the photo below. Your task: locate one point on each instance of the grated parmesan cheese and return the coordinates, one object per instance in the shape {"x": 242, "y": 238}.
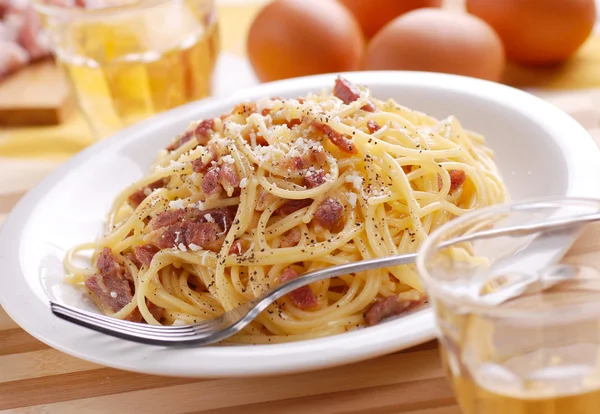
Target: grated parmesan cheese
{"x": 182, "y": 247}
{"x": 179, "y": 322}
{"x": 194, "y": 247}
{"x": 113, "y": 295}
{"x": 209, "y": 218}
{"x": 177, "y": 204}
{"x": 228, "y": 159}
{"x": 243, "y": 182}
{"x": 352, "y": 199}
{"x": 264, "y": 103}
{"x": 356, "y": 180}
{"x": 177, "y": 233}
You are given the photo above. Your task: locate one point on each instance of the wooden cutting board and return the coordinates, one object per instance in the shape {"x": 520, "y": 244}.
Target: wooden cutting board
{"x": 36, "y": 95}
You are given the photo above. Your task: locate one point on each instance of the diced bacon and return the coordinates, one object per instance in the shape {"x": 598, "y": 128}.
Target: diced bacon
{"x": 373, "y": 126}
{"x": 337, "y": 139}
{"x": 210, "y": 182}
{"x": 345, "y": 90}
{"x": 315, "y": 179}
{"x": 265, "y": 112}
{"x": 145, "y": 253}
{"x": 293, "y": 205}
{"x": 457, "y": 179}
{"x": 155, "y": 310}
{"x": 222, "y": 216}
{"x": 136, "y": 198}
{"x": 348, "y": 93}
{"x": 317, "y": 156}
{"x": 390, "y": 306}
{"x": 203, "y": 131}
{"x": 301, "y": 100}
{"x": 293, "y": 122}
{"x": 208, "y": 236}
{"x": 369, "y": 107}
{"x": 264, "y": 199}
{"x": 302, "y": 297}
{"x": 408, "y": 168}
{"x": 228, "y": 177}
{"x": 291, "y": 238}
{"x": 182, "y": 139}
{"x": 239, "y": 246}
{"x": 201, "y": 164}
{"x": 112, "y": 285}
{"x": 329, "y": 213}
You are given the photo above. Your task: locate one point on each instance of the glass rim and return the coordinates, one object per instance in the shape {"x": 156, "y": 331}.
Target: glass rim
{"x": 62, "y": 11}
{"x": 432, "y": 286}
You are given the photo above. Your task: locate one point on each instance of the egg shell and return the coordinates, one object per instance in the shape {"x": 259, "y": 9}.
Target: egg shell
{"x": 538, "y": 31}
{"x": 290, "y": 38}
{"x": 436, "y": 40}
{"x": 372, "y": 15}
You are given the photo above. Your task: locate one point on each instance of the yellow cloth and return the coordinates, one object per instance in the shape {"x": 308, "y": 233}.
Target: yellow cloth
{"x": 60, "y": 142}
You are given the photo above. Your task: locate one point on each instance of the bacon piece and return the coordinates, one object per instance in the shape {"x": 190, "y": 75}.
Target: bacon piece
{"x": 136, "y": 198}
{"x": 291, "y": 238}
{"x": 156, "y": 311}
{"x": 293, "y": 205}
{"x": 210, "y": 182}
{"x": 203, "y": 131}
{"x": 293, "y": 122}
{"x": 264, "y": 199}
{"x": 112, "y": 286}
{"x": 348, "y": 93}
{"x": 408, "y": 168}
{"x": 302, "y": 297}
{"x": 389, "y": 306}
{"x": 339, "y": 140}
{"x": 145, "y": 253}
{"x": 222, "y": 216}
{"x": 314, "y": 179}
{"x": 301, "y": 100}
{"x": 345, "y": 90}
{"x": 317, "y": 156}
{"x": 201, "y": 164}
{"x": 373, "y": 126}
{"x": 457, "y": 179}
{"x": 228, "y": 177}
{"x": 208, "y": 236}
{"x": 329, "y": 213}
{"x": 182, "y": 139}
{"x": 239, "y": 246}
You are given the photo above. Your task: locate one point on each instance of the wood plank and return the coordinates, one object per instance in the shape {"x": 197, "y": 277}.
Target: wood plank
{"x": 36, "y": 95}
{"x": 79, "y": 386}
{"x": 16, "y": 341}
{"x": 214, "y": 394}
{"x": 37, "y": 364}
{"x": 394, "y": 398}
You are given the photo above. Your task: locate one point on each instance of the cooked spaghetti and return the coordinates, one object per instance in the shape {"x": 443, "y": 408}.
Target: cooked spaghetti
{"x": 240, "y": 203}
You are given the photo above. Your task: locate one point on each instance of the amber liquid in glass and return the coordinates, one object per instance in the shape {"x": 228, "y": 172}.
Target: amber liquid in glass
{"x": 573, "y": 395}
{"x": 120, "y": 76}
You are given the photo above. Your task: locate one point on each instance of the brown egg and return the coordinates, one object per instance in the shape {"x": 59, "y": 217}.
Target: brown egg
{"x": 436, "y": 40}
{"x": 538, "y": 31}
{"x": 292, "y": 38}
{"x": 372, "y": 15}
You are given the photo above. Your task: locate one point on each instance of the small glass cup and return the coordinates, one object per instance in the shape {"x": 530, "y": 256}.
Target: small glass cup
{"x": 134, "y": 59}
{"x": 519, "y": 317}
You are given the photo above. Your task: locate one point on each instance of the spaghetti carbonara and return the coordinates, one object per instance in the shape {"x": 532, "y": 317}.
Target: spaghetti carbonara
{"x": 276, "y": 188}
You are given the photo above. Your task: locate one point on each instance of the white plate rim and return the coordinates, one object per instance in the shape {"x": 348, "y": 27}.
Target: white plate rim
{"x": 35, "y": 317}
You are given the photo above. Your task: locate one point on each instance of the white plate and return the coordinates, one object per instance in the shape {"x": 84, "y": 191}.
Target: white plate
{"x": 540, "y": 151}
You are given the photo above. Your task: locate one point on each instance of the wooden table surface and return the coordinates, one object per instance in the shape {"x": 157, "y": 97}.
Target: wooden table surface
{"x": 36, "y": 378}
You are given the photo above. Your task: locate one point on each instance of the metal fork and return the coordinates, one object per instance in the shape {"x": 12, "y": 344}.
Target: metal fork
{"x": 233, "y": 321}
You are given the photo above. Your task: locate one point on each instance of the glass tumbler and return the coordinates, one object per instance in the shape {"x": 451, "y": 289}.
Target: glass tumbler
{"x": 131, "y": 59}
{"x": 519, "y": 316}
